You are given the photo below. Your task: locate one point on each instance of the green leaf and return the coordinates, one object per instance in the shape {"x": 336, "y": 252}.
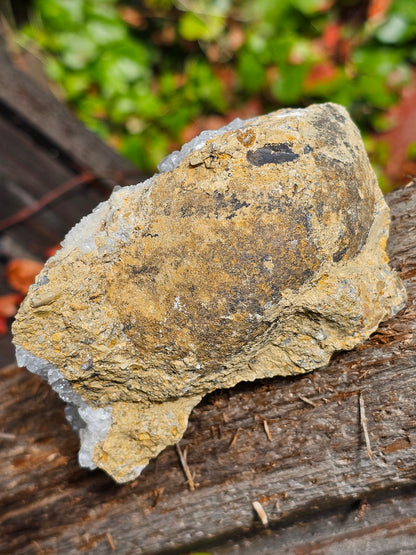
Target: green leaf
{"x": 204, "y": 85}
{"x": 77, "y": 50}
{"x": 395, "y": 30}
{"x": 411, "y": 151}
{"x": 148, "y": 105}
{"x": 100, "y": 127}
{"x": 121, "y": 108}
{"x": 117, "y": 69}
{"x": 104, "y": 9}
{"x": 210, "y": 7}
{"x": 76, "y": 84}
{"x": 309, "y": 7}
{"x": 200, "y": 27}
{"x": 406, "y": 8}
{"x": 288, "y": 87}
{"x": 267, "y": 12}
{"x": 178, "y": 116}
{"x": 376, "y": 61}
{"x": 167, "y": 83}
{"x": 54, "y": 69}
{"x": 61, "y": 15}
{"x": 130, "y": 69}
{"x": 251, "y": 73}
{"x": 374, "y": 91}
{"x": 382, "y": 122}
{"x": 106, "y": 32}
{"x": 146, "y": 149}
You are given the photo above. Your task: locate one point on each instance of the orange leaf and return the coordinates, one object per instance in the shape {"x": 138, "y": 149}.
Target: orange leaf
{"x": 331, "y": 36}
{"x": 21, "y": 273}
{"x": 399, "y": 167}
{"x": 377, "y": 9}
{"x": 52, "y": 250}
{"x": 8, "y": 304}
{"x": 132, "y": 17}
{"x": 320, "y": 73}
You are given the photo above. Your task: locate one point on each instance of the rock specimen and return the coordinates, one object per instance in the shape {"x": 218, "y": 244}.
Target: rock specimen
{"x": 258, "y": 251}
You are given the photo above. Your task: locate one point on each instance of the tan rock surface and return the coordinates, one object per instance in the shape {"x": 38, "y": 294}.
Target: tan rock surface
{"x": 261, "y": 254}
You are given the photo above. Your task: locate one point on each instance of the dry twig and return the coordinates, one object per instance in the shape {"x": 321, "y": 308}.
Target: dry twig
{"x": 307, "y": 401}
{"x": 4, "y": 435}
{"x": 261, "y": 513}
{"x": 266, "y": 429}
{"x": 185, "y": 467}
{"x": 110, "y": 541}
{"x": 363, "y": 420}
{"x": 28, "y": 211}
{"x": 232, "y": 442}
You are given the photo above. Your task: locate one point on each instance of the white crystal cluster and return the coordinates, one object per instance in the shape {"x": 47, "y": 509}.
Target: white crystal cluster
{"x": 91, "y": 424}
{"x": 175, "y": 158}
{"x": 84, "y": 234}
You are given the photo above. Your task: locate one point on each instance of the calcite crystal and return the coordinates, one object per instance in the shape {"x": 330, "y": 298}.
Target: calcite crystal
{"x": 258, "y": 250}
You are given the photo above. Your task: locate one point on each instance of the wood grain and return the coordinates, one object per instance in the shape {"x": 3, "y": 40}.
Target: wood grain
{"x": 309, "y": 467}
{"x": 42, "y": 146}
{"x": 39, "y": 109}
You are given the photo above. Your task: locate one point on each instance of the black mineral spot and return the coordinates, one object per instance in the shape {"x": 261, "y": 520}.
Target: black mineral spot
{"x": 237, "y": 204}
{"x": 307, "y": 149}
{"x": 140, "y": 270}
{"x": 187, "y": 211}
{"x": 272, "y": 153}
{"x": 337, "y": 256}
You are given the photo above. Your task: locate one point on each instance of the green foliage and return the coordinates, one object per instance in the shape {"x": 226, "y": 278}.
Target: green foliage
{"x": 142, "y": 73}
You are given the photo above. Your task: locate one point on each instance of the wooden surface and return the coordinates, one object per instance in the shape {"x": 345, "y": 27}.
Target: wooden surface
{"x": 42, "y": 146}
{"x": 309, "y": 467}
{"x": 40, "y": 110}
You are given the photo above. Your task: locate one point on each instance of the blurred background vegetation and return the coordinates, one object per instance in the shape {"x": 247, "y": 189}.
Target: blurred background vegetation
{"x": 149, "y": 75}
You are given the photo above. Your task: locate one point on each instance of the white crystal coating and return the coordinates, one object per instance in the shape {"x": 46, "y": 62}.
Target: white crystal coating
{"x": 173, "y": 160}
{"x": 98, "y": 422}
{"x": 89, "y": 231}
{"x": 91, "y": 424}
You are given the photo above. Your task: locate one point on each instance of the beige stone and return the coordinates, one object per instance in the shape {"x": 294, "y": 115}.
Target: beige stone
{"x": 260, "y": 254}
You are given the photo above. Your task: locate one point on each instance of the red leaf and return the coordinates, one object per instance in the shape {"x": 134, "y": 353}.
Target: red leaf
{"x": 331, "y": 37}
{"x": 402, "y": 135}
{"x": 377, "y": 9}
{"x": 21, "y": 273}
{"x": 3, "y": 326}
{"x": 9, "y": 304}
{"x": 320, "y": 73}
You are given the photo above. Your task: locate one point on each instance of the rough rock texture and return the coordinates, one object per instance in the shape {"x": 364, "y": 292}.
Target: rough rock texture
{"x": 258, "y": 251}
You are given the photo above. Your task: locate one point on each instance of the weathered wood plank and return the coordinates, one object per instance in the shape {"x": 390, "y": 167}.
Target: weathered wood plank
{"x": 378, "y": 527}
{"x": 309, "y": 473}
{"x": 26, "y": 173}
{"x": 45, "y": 113}
{"x": 42, "y": 146}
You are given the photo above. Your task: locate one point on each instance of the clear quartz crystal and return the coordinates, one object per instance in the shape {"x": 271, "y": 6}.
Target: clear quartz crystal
{"x": 91, "y": 424}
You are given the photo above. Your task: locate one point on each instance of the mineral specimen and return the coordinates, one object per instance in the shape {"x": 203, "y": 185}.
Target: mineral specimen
{"x": 258, "y": 250}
